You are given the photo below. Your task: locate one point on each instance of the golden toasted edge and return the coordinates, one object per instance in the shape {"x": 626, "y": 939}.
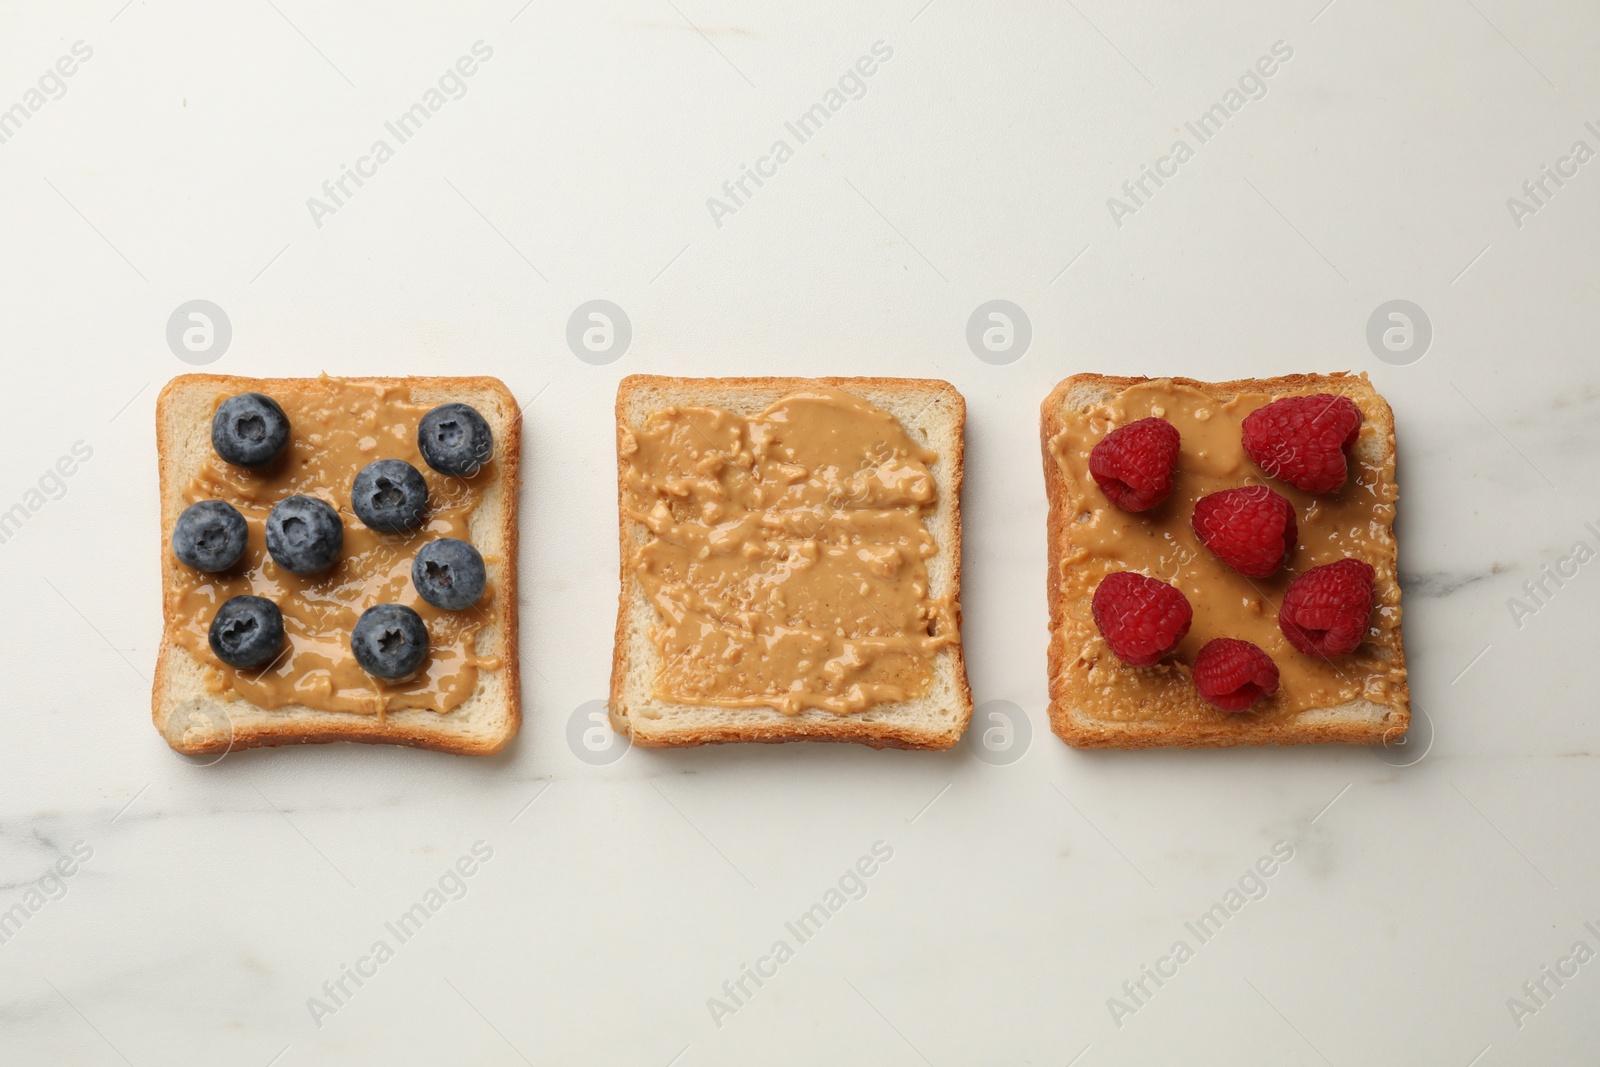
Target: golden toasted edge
{"x": 1080, "y": 734}
{"x": 874, "y": 734}
{"x": 364, "y": 729}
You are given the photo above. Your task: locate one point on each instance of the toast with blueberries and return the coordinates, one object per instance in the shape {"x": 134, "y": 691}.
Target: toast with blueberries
{"x": 1223, "y": 562}
{"x": 339, "y": 562}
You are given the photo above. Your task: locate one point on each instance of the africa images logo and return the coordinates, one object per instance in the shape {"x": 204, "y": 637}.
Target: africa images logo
{"x": 852, "y": 885}
{"x": 51, "y": 86}
{"x": 451, "y": 85}
{"x": 1538, "y": 191}
{"x": 1252, "y": 85}
{"x": 851, "y": 85}
{"x": 1252, "y": 886}
{"x": 452, "y": 885}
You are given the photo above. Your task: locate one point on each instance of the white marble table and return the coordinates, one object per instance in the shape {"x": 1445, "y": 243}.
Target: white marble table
{"x": 1012, "y": 897}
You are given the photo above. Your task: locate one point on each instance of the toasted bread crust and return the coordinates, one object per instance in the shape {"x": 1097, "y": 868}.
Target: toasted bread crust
{"x": 1079, "y": 733}
{"x": 833, "y": 728}
{"x": 347, "y": 726}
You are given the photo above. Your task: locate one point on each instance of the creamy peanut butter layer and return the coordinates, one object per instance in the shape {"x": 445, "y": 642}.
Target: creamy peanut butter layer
{"x": 1356, "y": 521}
{"x": 337, "y": 427}
{"x": 787, "y": 554}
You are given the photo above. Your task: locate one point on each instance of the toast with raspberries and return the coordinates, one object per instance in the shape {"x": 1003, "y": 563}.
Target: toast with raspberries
{"x": 1222, "y": 562}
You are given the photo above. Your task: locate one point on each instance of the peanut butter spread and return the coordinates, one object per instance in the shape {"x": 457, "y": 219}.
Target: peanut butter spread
{"x": 336, "y": 428}
{"x": 1101, "y": 538}
{"x": 787, "y": 554}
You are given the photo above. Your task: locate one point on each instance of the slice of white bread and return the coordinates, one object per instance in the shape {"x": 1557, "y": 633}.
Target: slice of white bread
{"x": 934, "y": 414}
{"x": 1182, "y": 718}
{"x": 196, "y": 721}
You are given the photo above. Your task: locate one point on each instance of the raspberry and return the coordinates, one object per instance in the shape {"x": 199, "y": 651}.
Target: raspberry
{"x": 1142, "y": 619}
{"x": 1251, "y": 529}
{"x": 1133, "y": 463}
{"x": 1304, "y": 440}
{"x": 1325, "y": 610}
{"x": 1233, "y": 674}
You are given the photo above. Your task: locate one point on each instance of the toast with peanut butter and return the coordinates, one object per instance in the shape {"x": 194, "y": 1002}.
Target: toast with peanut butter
{"x": 1241, "y": 582}
{"x": 339, "y": 562}
{"x": 790, "y": 561}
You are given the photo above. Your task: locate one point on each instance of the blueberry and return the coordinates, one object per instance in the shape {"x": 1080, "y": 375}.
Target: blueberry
{"x": 454, "y": 439}
{"x": 247, "y": 632}
{"x": 304, "y": 534}
{"x": 389, "y": 495}
{"x": 448, "y": 574}
{"x": 249, "y": 430}
{"x": 390, "y": 641}
{"x": 209, "y": 536}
